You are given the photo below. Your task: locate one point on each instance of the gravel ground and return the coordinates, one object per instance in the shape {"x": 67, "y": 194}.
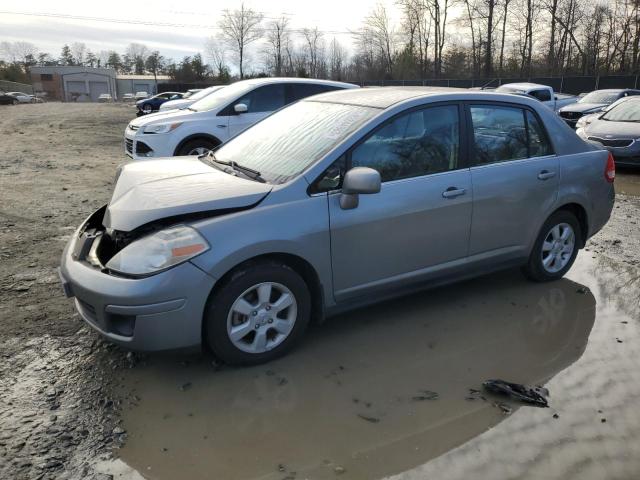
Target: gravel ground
{"x": 59, "y": 410}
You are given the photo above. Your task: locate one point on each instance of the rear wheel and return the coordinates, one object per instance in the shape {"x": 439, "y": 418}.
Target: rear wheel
{"x": 198, "y": 146}
{"x": 258, "y": 315}
{"x": 14, "y": 102}
{"x": 555, "y": 249}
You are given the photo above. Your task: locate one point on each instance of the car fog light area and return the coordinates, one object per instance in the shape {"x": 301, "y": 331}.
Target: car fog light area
{"x": 158, "y": 251}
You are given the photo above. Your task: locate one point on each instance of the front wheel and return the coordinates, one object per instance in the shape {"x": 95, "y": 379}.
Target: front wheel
{"x": 258, "y": 315}
{"x": 147, "y": 109}
{"x": 14, "y": 102}
{"x": 555, "y": 249}
{"x": 199, "y": 146}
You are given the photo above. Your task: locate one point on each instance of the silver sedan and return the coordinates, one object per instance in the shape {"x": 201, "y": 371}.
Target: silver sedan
{"x": 339, "y": 200}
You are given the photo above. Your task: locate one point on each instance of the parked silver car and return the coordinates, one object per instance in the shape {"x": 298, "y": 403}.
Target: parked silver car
{"x": 339, "y": 200}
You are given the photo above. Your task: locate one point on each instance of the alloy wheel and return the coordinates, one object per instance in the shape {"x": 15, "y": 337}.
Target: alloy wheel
{"x": 262, "y": 317}
{"x": 558, "y": 247}
{"x": 198, "y": 151}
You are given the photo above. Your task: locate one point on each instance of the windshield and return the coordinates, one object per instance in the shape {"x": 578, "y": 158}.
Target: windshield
{"x": 623, "y": 112}
{"x": 287, "y": 142}
{"x": 203, "y": 93}
{"x": 223, "y": 96}
{"x": 599, "y": 97}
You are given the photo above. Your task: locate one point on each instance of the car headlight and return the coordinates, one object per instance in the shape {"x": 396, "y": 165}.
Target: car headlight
{"x": 161, "y": 128}
{"x": 159, "y": 251}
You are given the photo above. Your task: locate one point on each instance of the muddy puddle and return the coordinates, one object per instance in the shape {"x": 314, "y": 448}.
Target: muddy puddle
{"x": 628, "y": 181}
{"x": 358, "y": 398}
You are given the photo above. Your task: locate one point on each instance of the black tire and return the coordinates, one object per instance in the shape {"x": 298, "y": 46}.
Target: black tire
{"x": 534, "y": 269}
{"x": 15, "y": 102}
{"x": 194, "y": 144}
{"x": 217, "y": 310}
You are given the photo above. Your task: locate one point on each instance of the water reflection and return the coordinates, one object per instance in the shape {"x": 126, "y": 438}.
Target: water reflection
{"x": 350, "y": 396}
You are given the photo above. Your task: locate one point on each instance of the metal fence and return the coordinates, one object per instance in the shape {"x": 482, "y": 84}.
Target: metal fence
{"x": 567, "y": 84}
{"x": 7, "y": 86}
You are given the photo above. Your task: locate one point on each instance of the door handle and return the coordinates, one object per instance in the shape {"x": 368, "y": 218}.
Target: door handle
{"x": 221, "y": 126}
{"x": 453, "y": 192}
{"x": 546, "y": 175}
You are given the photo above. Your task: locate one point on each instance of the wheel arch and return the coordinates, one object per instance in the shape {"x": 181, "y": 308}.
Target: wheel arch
{"x": 298, "y": 264}
{"x": 583, "y": 219}
{"x": 196, "y": 136}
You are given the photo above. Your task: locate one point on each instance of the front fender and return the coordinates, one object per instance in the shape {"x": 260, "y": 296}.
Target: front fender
{"x": 299, "y": 228}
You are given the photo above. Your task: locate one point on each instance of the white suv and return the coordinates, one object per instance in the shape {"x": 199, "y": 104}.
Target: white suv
{"x": 217, "y": 117}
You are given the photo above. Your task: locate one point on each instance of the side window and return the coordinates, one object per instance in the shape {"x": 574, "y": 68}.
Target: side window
{"x": 304, "y": 90}
{"x": 499, "y": 134}
{"x": 264, "y": 99}
{"x": 542, "y": 95}
{"x": 539, "y": 145}
{"x": 418, "y": 143}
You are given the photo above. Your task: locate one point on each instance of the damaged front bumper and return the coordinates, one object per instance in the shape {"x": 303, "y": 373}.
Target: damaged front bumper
{"x": 159, "y": 312}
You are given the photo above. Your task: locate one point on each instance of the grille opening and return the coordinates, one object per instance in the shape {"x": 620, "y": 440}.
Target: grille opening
{"x": 616, "y": 142}
{"x": 142, "y": 147}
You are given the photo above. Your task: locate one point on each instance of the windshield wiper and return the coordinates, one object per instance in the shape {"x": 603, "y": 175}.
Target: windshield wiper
{"x": 246, "y": 171}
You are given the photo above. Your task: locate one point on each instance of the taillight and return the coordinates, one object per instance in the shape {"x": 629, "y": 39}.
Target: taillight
{"x": 610, "y": 170}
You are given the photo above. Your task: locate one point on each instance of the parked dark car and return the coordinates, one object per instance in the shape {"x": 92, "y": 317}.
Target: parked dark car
{"x": 6, "y": 99}
{"x": 152, "y": 104}
{"x": 593, "y": 102}
{"x": 617, "y": 130}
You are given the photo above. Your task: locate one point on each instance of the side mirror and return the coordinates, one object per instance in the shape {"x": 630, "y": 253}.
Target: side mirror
{"x": 240, "y": 108}
{"x": 356, "y": 181}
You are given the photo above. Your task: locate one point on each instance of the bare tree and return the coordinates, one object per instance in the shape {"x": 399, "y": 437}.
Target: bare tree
{"x": 240, "y": 28}
{"x": 417, "y": 29}
{"x": 337, "y": 60}
{"x": 216, "y": 54}
{"x": 314, "y": 50}
{"x": 439, "y": 11}
{"x": 377, "y": 38}
{"x": 277, "y": 38}
{"x": 78, "y": 51}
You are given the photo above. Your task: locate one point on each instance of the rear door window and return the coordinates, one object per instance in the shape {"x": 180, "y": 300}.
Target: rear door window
{"x": 502, "y": 133}
{"x": 298, "y": 91}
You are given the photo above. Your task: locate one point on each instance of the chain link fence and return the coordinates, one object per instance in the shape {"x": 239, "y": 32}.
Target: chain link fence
{"x": 574, "y": 85}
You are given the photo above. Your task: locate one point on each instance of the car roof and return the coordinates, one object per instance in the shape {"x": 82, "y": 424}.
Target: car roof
{"x": 524, "y": 85}
{"x": 315, "y": 81}
{"x": 382, "y": 97}
{"x": 386, "y": 97}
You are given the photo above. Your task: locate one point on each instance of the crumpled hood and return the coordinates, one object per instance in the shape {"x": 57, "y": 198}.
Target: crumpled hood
{"x": 582, "y": 107}
{"x": 167, "y": 187}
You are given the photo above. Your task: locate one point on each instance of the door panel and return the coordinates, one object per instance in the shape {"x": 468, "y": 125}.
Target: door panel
{"x": 515, "y": 180}
{"x": 408, "y": 227}
{"x": 242, "y": 121}
{"x": 260, "y": 102}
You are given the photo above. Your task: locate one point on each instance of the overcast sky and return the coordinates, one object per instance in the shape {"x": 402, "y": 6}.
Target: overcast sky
{"x": 193, "y": 21}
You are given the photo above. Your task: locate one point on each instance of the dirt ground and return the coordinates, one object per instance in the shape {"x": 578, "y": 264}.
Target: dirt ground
{"x": 379, "y": 392}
